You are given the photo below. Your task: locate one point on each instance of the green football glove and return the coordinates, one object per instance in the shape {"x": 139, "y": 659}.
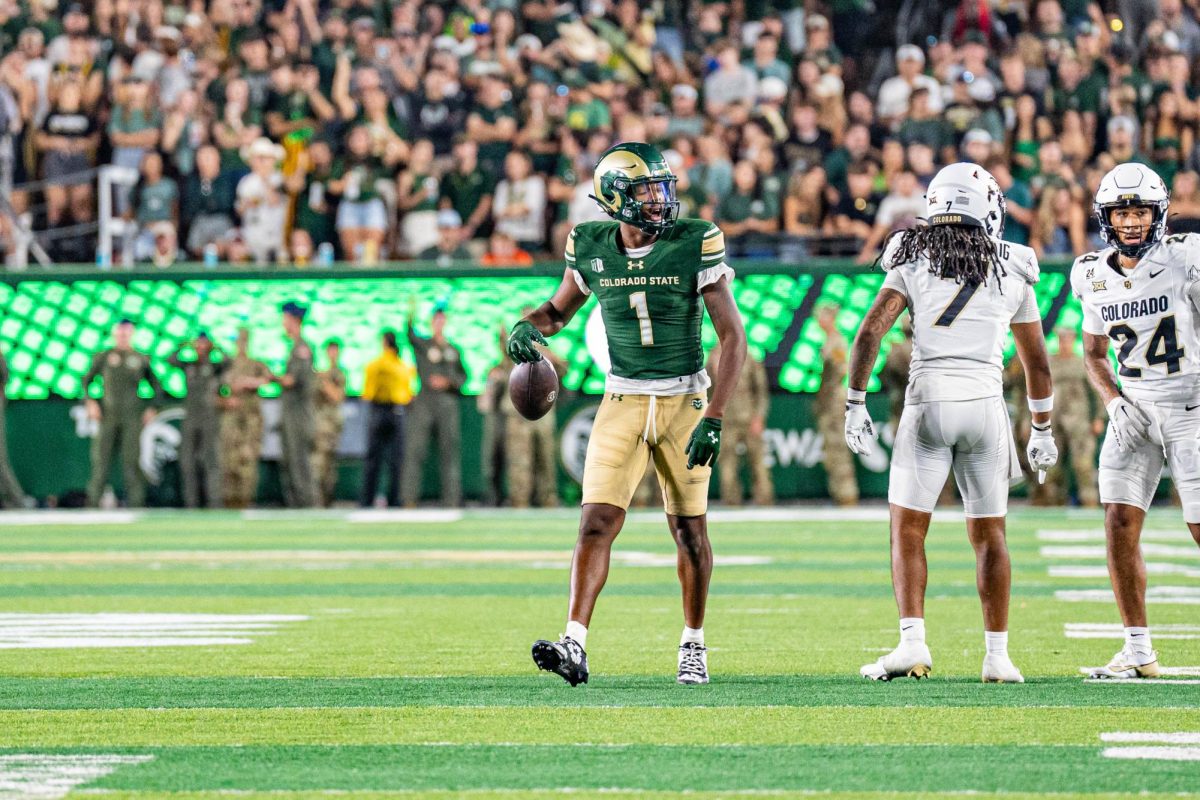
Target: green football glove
{"x": 705, "y": 444}
{"x": 521, "y": 343}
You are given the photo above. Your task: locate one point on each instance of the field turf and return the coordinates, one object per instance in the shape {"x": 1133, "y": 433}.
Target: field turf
{"x": 289, "y": 655}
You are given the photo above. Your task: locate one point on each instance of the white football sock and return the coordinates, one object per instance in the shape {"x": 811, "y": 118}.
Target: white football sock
{"x": 912, "y": 629}
{"x": 1138, "y": 640}
{"x": 996, "y": 643}
{"x": 578, "y": 632}
{"x": 695, "y": 635}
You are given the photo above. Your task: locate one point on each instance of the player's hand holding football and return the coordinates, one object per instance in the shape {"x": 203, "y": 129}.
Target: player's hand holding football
{"x": 1128, "y": 424}
{"x": 1041, "y": 450}
{"x": 705, "y": 443}
{"x": 522, "y": 341}
{"x": 860, "y": 430}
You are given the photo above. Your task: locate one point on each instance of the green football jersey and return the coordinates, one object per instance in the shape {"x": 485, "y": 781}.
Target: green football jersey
{"x": 650, "y": 304}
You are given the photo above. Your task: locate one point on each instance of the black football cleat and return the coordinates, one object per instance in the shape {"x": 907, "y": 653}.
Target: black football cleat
{"x": 564, "y": 658}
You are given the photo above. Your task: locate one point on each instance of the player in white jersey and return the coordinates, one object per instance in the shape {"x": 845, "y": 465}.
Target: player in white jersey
{"x": 964, "y": 289}
{"x": 1141, "y": 295}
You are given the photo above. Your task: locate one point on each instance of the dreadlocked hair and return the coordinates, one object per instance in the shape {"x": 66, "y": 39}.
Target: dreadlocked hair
{"x": 961, "y": 253}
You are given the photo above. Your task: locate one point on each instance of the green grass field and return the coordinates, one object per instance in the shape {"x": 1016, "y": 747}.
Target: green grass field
{"x": 314, "y": 654}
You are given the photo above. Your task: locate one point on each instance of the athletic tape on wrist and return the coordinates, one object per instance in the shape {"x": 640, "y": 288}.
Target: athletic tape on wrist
{"x": 1040, "y": 428}
{"x": 1041, "y": 404}
{"x": 856, "y": 395}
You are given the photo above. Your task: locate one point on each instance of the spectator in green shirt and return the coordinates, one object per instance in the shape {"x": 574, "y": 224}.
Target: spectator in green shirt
{"x": 492, "y": 123}
{"x": 156, "y": 200}
{"x": 361, "y": 216}
{"x": 468, "y": 190}
{"x": 133, "y": 128}
{"x": 746, "y": 215}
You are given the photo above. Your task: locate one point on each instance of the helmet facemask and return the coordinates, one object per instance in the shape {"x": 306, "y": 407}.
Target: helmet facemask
{"x": 1112, "y": 235}
{"x": 654, "y": 203}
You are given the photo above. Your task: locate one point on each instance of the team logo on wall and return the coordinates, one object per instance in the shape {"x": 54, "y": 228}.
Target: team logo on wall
{"x": 159, "y": 443}
{"x": 574, "y": 441}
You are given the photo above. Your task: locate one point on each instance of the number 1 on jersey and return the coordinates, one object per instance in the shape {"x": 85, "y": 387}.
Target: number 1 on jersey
{"x": 637, "y": 302}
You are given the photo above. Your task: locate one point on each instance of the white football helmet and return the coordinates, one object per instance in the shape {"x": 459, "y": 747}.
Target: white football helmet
{"x": 1130, "y": 185}
{"x": 965, "y": 194}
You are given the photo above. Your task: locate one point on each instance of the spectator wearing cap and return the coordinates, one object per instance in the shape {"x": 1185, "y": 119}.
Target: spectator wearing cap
{"x": 316, "y": 204}
{"x": 1122, "y": 140}
{"x": 155, "y": 204}
{"x": 900, "y": 209}
{"x": 976, "y": 146}
{"x": 435, "y": 412}
{"x": 819, "y": 45}
{"x": 520, "y": 207}
{"x": 974, "y": 17}
{"x": 262, "y": 204}
{"x": 730, "y": 82}
{"x": 765, "y": 61}
{"x": 417, "y": 190}
{"x": 468, "y": 191}
{"x": 199, "y": 456}
{"x": 208, "y": 203}
{"x": 894, "y": 93}
{"x": 362, "y": 220}
{"x": 585, "y": 111}
{"x": 685, "y": 116}
{"x": 772, "y": 94}
{"x": 449, "y": 247}
{"x": 297, "y": 413}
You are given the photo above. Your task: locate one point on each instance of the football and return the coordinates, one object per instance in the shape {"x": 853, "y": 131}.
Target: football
{"x": 533, "y": 389}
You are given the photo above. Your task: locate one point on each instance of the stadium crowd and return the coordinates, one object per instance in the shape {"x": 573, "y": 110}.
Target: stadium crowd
{"x": 304, "y": 130}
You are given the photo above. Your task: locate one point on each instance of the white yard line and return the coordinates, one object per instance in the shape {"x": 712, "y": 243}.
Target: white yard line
{"x": 48, "y": 777}
{"x": 1154, "y": 753}
{"x": 1113, "y": 630}
{"x": 1140, "y": 737}
{"x": 1097, "y": 535}
{"x": 1099, "y": 552}
{"x": 72, "y": 631}
{"x": 48, "y": 517}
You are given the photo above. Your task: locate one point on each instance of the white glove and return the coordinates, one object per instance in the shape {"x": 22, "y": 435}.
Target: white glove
{"x": 1127, "y": 424}
{"x": 860, "y": 431}
{"x": 1042, "y": 451}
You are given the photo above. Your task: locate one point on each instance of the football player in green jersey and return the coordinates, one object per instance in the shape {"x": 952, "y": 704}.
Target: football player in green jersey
{"x": 654, "y": 275}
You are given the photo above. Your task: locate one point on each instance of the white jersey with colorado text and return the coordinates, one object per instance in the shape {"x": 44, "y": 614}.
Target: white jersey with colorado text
{"x": 1147, "y": 315}
{"x": 959, "y": 330}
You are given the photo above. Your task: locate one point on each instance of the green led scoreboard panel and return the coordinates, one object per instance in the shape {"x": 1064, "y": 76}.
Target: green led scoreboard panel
{"x": 49, "y": 329}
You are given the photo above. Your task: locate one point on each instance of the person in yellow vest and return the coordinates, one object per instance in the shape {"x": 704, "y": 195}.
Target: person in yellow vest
{"x": 387, "y": 389}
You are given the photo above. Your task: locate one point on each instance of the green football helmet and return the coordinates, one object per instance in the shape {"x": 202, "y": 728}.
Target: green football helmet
{"x": 634, "y": 184}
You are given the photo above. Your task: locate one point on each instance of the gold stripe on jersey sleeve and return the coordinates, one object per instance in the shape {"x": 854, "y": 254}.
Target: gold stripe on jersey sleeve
{"x": 713, "y": 245}
{"x": 570, "y": 249}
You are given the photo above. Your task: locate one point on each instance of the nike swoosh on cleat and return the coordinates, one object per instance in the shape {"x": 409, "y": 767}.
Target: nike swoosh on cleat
{"x": 1190, "y": 408}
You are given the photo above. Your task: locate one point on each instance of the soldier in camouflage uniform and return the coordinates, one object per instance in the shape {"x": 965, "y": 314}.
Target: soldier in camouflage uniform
{"x": 529, "y": 449}
{"x": 331, "y": 391}
{"x": 830, "y": 407}
{"x": 435, "y": 412}
{"x": 495, "y": 408}
{"x": 297, "y": 414}
{"x": 199, "y": 458}
{"x": 11, "y": 494}
{"x": 893, "y": 378}
{"x": 242, "y": 423}
{"x": 745, "y": 421}
{"x": 1074, "y": 423}
{"x": 121, "y": 413}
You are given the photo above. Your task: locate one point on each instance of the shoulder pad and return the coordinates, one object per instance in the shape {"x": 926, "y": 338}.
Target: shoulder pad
{"x": 1024, "y": 263}
{"x": 1086, "y": 262}
{"x": 889, "y": 253}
